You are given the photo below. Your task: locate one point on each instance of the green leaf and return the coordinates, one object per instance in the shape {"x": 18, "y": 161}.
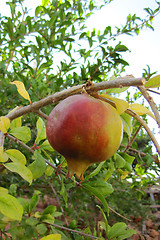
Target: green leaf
{"x": 37, "y": 167}
{"x": 127, "y": 123}
{"x": 22, "y": 133}
{"x": 3, "y": 190}
{"x": 129, "y": 160}
{"x": 119, "y": 160}
{"x": 16, "y": 123}
{"x": 121, "y": 48}
{"x": 105, "y": 218}
{"x": 45, "y": 3}
{"x": 50, "y": 209}
{"x": 128, "y": 233}
{"x": 54, "y": 236}
{"x": 46, "y": 146}
{"x": 116, "y": 230}
{"x": 10, "y": 207}
{"x": 4, "y": 124}
{"x": 109, "y": 172}
{"x": 95, "y": 172}
{"x": 31, "y": 221}
{"x": 103, "y": 187}
{"x": 153, "y": 82}
{"x": 41, "y": 130}
{"x": 3, "y": 155}
{"x": 95, "y": 192}
{"x": 33, "y": 202}
{"x": 16, "y": 156}
{"x": 22, "y": 170}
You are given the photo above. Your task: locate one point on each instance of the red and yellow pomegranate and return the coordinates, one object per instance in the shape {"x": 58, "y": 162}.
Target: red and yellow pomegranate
{"x": 84, "y": 130}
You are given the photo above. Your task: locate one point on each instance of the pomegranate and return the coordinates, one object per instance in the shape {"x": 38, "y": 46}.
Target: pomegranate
{"x": 84, "y": 130}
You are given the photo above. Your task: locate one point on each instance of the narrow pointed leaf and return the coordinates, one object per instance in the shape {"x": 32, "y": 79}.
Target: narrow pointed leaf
{"x": 127, "y": 123}
{"x": 95, "y": 172}
{"x": 21, "y": 90}
{"x": 140, "y": 110}
{"x": 3, "y": 155}
{"x": 95, "y": 192}
{"x": 41, "y": 130}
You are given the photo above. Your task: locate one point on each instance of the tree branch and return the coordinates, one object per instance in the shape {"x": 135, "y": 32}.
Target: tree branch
{"x": 54, "y": 98}
{"x": 141, "y": 121}
{"x": 71, "y": 230}
{"x": 151, "y": 103}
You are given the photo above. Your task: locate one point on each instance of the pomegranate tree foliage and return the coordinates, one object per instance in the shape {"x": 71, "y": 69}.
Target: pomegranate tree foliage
{"x": 41, "y": 54}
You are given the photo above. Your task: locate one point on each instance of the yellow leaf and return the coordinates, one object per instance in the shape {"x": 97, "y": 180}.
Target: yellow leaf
{"x": 3, "y": 155}
{"x": 3, "y": 190}
{"x": 21, "y": 89}
{"x": 140, "y": 110}
{"x": 54, "y": 236}
{"x": 123, "y": 174}
{"x": 121, "y": 105}
{"x": 4, "y": 124}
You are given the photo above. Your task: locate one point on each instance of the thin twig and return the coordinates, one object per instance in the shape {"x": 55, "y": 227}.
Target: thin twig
{"x": 119, "y": 214}
{"x": 150, "y": 90}
{"x": 151, "y": 103}
{"x": 143, "y": 123}
{"x": 60, "y": 205}
{"x": 132, "y": 140}
{"x": 71, "y": 230}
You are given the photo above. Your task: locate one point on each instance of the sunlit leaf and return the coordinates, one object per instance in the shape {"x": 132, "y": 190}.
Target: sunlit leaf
{"x": 153, "y": 82}
{"x": 41, "y": 130}
{"x": 4, "y": 124}
{"x": 121, "y": 105}
{"x": 3, "y": 190}
{"x": 140, "y": 110}
{"x": 10, "y": 207}
{"x": 39, "y": 166}
{"x": 16, "y": 156}
{"x": 22, "y": 170}
{"x": 45, "y": 3}
{"x": 119, "y": 160}
{"x": 46, "y": 146}
{"x": 17, "y": 122}
{"x": 127, "y": 123}
{"x": 3, "y": 155}
{"x": 124, "y": 174}
{"x": 21, "y": 89}
{"x": 22, "y": 133}
{"x": 54, "y": 236}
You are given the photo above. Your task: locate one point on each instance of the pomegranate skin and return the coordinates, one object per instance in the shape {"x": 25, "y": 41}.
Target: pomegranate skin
{"x": 84, "y": 130}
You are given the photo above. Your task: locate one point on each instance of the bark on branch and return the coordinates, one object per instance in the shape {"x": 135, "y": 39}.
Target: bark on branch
{"x": 54, "y": 98}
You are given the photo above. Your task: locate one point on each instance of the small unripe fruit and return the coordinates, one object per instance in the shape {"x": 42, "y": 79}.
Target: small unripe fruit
{"x": 84, "y": 130}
